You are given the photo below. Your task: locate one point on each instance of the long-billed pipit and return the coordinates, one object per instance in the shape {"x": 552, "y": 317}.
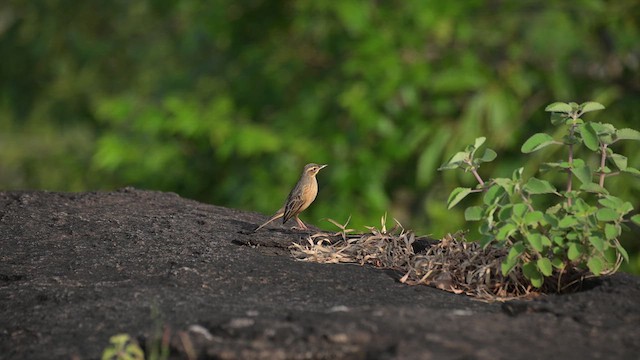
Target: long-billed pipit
{"x": 300, "y": 197}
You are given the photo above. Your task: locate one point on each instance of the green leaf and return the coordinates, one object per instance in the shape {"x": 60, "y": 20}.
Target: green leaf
{"x": 607, "y": 214}
{"x": 606, "y": 139}
{"x": 633, "y": 171}
{"x": 622, "y": 251}
{"x": 488, "y": 156}
{"x": 449, "y": 166}
{"x": 570, "y": 139}
{"x": 577, "y": 163}
{"x": 505, "y": 212}
{"x": 583, "y": 173}
{"x": 557, "y": 263}
{"x": 593, "y": 188}
{"x": 537, "y": 142}
{"x": 619, "y": 160}
{"x": 534, "y": 217}
{"x": 530, "y": 271}
{"x": 493, "y": 195}
{"x": 591, "y": 106}
{"x": 611, "y": 255}
{"x": 567, "y": 222}
{"x": 574, "y": 251}
{"x": 520, "y": 210}
{"x": 135, "y": 352}
{"x": 558, "y": 107}
{"x": 479, "y": 141}
{"x": 628, "y": 134}
{"x": 604, "y": 169}
{"x": 109, "y": 353}
{"x": 626, "y": 207}
{"x": 611, "y": 202}
{"x": 516, "y": 250}
{"x": 581, "y": 208}
{"x": 605, "y": 132}
{"x": 486, "y": 240}
{"x": 119, "y": 339}
{"x": 537, "y": 186}
{"x": 459, "y": 156}
{"x": 589, "y": 136}
{"x": 516, "y": 176}
{"x": 488, "y": 221}
{"x": 551, "y": 219}
{"x": 457, "y": 195}
{"x": 599, "y": 128}
{"x": 505, "y": 231}
{"x": 611, "y": 231}
{"x": 555, "y": 165}
{"x": 558, "y": 118}
{"x": 512, "y": 258}
{"x": 545, "y": 266}
{"x": 636, "y": 219}
{"x": 603, "y": 129}
{"x": 507, "y": 265}
{"x": 473, "y": 213}
{"x": 595, "y": 265}
{"x": 486, "y": 226}
{"x": 506, "y": 184}
{"x": 535, "y": 240}
{"x": 597, "y": 242}
{"x": 555, "y": 209}
{"x": 456, "y": 161}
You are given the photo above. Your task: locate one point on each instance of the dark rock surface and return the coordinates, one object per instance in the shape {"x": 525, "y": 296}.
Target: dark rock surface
{"x": 78, "y": 268}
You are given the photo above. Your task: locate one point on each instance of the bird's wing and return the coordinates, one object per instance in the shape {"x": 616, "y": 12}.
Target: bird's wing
{"x": 294, "y": 203}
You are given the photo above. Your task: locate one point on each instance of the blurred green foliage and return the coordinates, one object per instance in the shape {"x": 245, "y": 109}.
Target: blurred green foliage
{"x": 225, "y": 101}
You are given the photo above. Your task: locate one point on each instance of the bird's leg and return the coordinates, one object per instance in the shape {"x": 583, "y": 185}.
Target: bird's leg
{"x": 301, "y": 224}
{"x": 278, "y": 215}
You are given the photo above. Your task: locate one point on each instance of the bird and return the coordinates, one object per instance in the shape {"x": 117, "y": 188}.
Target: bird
{"x": 302, "y": 195}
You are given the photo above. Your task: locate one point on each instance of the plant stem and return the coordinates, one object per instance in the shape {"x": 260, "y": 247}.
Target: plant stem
{"x": 570, "y": 180}
{"x": 527, "y": 201}
{"x": 603, "y": 157}
{"x": 475, "y": 173}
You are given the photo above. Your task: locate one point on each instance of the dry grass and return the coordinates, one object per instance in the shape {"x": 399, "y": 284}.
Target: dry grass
{"x": 451, "y": 264}
{"x": 456, "y": 265}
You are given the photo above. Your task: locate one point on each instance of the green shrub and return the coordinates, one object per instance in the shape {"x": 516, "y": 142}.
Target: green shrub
{"x": 580, "y": 230}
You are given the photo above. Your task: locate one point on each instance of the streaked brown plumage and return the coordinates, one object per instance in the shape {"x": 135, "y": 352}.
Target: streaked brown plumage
{"x": 299, "y": 198}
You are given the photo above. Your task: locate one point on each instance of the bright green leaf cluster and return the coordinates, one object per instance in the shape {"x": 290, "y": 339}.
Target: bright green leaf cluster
{"x": 467, "y": 159}
{"x": 582, "y": 228}
{"x": 122, "y": 347}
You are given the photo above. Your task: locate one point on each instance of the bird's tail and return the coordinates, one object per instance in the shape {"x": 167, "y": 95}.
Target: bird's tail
{"x": 278, "y": 215}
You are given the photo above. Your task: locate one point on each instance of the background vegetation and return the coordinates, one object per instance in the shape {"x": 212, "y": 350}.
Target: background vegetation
{"x": 224, "y": 101}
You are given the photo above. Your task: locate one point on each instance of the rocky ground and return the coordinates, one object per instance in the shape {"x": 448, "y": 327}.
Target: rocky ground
{"x": 76, "y": 269}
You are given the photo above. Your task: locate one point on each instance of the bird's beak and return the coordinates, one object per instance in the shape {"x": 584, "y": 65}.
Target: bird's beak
{"x": 322, "y": 167}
